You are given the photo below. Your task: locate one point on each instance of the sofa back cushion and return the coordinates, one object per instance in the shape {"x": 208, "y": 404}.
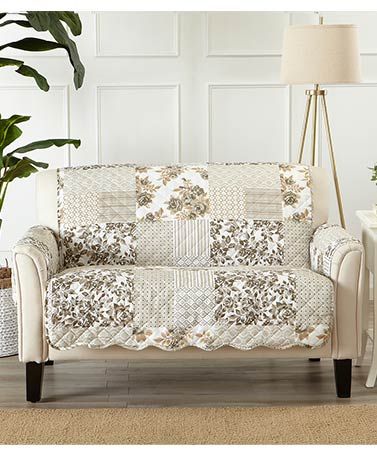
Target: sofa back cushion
{"x": 188, "y": 215}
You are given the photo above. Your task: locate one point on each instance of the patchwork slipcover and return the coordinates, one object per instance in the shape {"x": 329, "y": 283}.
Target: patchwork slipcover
{"x": 206, "y": 255}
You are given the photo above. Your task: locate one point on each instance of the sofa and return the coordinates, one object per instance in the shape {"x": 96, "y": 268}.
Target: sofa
{"x": 207, "y": 261}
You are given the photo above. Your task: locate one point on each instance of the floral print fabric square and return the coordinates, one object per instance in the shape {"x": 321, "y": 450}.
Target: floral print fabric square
{"x": 246, "y": 242}
{"x": 296, "y": 192}
{"x": 172, "y": 192}
{"x": 261, "y": 298}
{"x": 89, "y": 298}
{"x": 99, "y": 244}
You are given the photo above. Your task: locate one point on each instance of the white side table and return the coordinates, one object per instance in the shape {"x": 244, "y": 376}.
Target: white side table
{"x": 368, "y": 221}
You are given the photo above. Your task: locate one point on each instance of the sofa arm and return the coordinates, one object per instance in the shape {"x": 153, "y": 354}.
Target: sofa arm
{"x": 40, "y": 244}
{"x": 36, "y": 259}
{"x": 340, "y": 256}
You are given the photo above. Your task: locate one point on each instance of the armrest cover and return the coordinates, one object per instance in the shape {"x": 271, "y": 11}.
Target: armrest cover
{"x": 40, "y": 244}
{"x": 36, "y": 259}
{"x": 329, "y": 245}
{"x": 337, "y": 254}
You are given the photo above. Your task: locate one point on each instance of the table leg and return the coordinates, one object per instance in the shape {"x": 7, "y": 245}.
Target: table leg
{"x": 364, "y": 318}
{"x": 371, "y": 380}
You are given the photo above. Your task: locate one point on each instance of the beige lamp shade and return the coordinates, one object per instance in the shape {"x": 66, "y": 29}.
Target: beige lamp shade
{"x": 321, "y": 54}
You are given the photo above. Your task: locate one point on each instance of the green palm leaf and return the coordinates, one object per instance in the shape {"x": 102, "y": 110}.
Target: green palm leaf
{"x": 32, "y": 44}
{"x": 22, "y": 169}
{"x": 50, "y": 21}
{"x": 19, "y": 22}
{"x": 40, "y": 80}
{"x": 7, "y": 133}
{"x": 38, "y": 145}
{"x": 72, "y": 20}
{"x": 26, "y": 71}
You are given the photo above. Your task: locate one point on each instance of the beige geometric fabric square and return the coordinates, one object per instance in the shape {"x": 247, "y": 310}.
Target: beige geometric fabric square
{"x": 191, "y": 242}
{"x": 154, "y": 298}
{"x": 194, "y": 298}
{"x": 248, "y": 175}
{"x": 79, "y": 189}
{"x": 79, "y": 209}
{"x": 315, "y": 296}
{"x": 228, "y": 185}
{"x": 172, "y": 192}
{"x": 105, "y": 178}
{"x": 227, "y": 202}
{"x": 194, "y": 278}
{"x": 263, "y": 204}
{"x": 117, "y": 206}
{"x": 297, "y": 237}
{"x": 193, "y": 306}
{"x": 154, "y": 243}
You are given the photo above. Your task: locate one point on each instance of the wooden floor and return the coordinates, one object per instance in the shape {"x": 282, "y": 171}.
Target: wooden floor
{"x": 190, "y": 383}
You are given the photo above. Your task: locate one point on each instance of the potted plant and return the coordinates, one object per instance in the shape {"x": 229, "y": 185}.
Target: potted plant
{"x": 14, "y": 164}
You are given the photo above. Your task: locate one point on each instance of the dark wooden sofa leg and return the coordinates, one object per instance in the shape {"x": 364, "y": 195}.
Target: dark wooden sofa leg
{"x": 49, "y": 363}
{"x": 34, "y": 380}
{"x": 313, "y": 360}
{"x": 343, "y": 377}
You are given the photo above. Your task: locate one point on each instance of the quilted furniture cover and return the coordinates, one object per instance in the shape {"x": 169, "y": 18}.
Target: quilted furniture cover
{"x": 201, "y": 255}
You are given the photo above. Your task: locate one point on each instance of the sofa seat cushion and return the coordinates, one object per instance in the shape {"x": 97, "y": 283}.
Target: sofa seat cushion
{"x": 172, "y": 308}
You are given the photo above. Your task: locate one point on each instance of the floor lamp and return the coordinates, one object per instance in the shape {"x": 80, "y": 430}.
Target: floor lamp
{"x": 320, "y": 54}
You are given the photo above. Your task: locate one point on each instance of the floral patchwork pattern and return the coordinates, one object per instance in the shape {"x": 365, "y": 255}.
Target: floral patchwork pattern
{"x": 246, "y": 242}
{"x": 262, "y": 298}
{"x": 99, "y": 244}
{"x": 96, "y": 297}
{"x": 239, "y": 307}
{"x": 296, "y": 192}
{"x": 245, "y": 209}
{"x": 172, "y": 192}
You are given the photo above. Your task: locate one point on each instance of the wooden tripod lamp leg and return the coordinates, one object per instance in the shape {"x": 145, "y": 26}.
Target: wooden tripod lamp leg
{"x": 332, "y": 160}
{"x": 314, "y": 135}
{"x": 304, "y": 127}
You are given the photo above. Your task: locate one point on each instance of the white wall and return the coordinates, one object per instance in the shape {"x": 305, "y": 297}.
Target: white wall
{"x": 189, "y": 87}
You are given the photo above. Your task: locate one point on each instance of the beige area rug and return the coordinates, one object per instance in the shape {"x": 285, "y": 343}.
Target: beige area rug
{"x": 343, "y": 424}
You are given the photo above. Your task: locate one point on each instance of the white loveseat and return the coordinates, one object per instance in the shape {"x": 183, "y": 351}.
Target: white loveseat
{"x": 184, "y": 261}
